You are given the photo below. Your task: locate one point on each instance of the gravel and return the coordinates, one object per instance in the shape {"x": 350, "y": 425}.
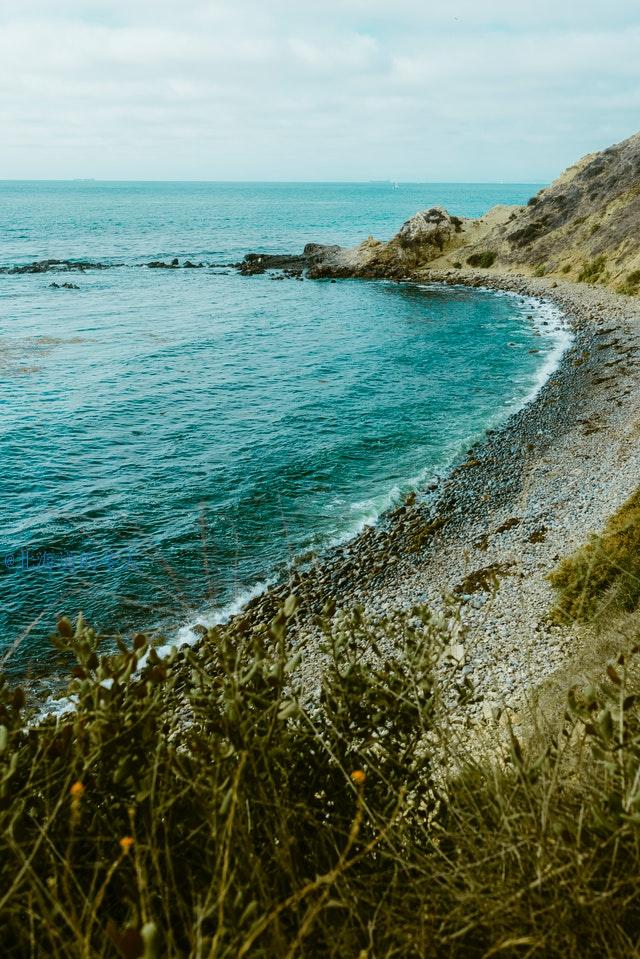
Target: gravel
{"x": 559, "y": 467}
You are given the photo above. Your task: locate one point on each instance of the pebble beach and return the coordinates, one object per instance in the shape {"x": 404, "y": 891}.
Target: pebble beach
{"x": 478, "y": 545}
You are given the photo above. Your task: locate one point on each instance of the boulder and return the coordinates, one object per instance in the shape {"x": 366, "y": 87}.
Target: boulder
{"x": 433, "y": 227}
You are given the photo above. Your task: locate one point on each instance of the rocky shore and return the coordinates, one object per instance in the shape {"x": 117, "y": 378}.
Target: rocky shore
{"x": 478, "y": 546}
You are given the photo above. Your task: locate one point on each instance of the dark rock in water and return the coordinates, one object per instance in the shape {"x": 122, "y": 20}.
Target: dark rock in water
{"x": 64, "y": 286}
{"x": 256, "y": 263}
{"x": 292, "y": 265}
{"x": 60, "y": 266}
{"x": 188, "y": 265}
{"x": 316, "y": 252}
{"x": 161, "y": 265}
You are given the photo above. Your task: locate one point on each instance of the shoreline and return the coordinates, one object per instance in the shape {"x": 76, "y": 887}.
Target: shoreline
{"x": 528, "y": 492}
{"x": 423, "y": 487}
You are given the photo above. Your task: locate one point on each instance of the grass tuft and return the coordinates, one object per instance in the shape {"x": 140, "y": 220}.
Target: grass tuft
{"x": 631, "y": 284}
{"x": 602, "y": 577}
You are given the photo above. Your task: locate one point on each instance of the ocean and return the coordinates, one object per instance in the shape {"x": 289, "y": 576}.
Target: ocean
{"x": 171, "y": 439}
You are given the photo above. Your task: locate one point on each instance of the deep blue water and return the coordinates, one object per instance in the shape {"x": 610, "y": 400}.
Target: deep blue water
{"x": 169, "y": 438}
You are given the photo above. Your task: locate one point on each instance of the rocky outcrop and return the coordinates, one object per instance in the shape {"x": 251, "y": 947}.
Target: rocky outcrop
{"x": 290, "y": 264}
{"x": 434, "y": 227}
{"x": 421, "y": 239}
{"x": 584, "y": 227}
{"x": 257, "y": 263}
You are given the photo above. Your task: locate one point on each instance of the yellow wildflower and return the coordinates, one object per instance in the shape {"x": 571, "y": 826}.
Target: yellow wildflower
{"x": 358, "y": 776}
{"x": 126, "y": 843}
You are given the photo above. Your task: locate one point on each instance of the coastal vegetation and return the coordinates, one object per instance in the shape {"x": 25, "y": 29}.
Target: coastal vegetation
{"x": 206, "y": 805}
{"x": 595, "y": 271}
{"x": 483, "y": 260}
{"x": 631, "y": 284}
{"x": 603, "y": 577}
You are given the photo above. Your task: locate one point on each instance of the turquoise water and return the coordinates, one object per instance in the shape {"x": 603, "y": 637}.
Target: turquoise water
{"x": 170, "y": 438}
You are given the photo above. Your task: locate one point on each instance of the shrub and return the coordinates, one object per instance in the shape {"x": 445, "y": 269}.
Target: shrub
{"x": 208, "y": 806}
{"x": 631, "y": 285}
{"x": 484, "y": 260}
{"x": 201, "y": 795}
{"x": 540, "y": 270}
{"x": 594, "y": 271}
{"x": 604, "y": 575}
{"x": 529, "y": 233}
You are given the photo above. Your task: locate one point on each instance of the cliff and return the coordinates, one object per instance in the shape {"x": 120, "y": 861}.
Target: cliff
{"x": 584, "y": 227}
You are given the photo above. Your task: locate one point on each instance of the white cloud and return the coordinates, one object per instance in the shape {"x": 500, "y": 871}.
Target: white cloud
{"x": 354, "y": 89}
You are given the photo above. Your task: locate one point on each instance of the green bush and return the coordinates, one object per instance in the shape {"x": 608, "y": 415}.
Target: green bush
{"x": 631, "y": 285}
{"x": 483, "y": 260}
{"x": 594, "y": 271}
{"x": 200, "y": 802}
{"x": 604, "y": 575}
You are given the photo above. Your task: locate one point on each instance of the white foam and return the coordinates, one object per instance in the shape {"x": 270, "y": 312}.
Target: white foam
{"x": 187, "y": 636}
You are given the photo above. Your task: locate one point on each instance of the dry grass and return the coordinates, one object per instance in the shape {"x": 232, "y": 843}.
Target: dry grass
{"x": 204, "y": 807}
{"x": 603, "y": 577}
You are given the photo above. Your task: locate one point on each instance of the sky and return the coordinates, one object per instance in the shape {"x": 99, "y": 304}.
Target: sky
{"x": 407, "y": 90}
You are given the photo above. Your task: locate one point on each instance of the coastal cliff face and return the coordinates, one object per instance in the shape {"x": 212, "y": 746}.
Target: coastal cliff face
{"x": 584, "y": 227}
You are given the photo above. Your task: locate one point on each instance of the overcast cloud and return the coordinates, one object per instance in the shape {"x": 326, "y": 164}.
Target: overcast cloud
{"x": 240, "y": 89}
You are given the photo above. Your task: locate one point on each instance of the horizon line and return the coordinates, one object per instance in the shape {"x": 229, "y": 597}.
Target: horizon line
{"x": 277, "y": 182}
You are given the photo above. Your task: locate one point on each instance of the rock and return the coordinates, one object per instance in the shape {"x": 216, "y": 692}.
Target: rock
{"x": 491, "y": 711}
{"x": 256, "y": 263}
{"x": 317, "y": 252}
{"x": 457, "y": 654}
{"x": 433, "y": 227}
{"x": 60, "y": 266}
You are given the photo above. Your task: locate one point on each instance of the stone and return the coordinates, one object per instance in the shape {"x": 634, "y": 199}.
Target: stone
{"x": 433, "y": 227}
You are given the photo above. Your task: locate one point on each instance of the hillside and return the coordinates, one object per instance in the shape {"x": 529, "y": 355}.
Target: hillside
{"x": 584, "y": 227}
